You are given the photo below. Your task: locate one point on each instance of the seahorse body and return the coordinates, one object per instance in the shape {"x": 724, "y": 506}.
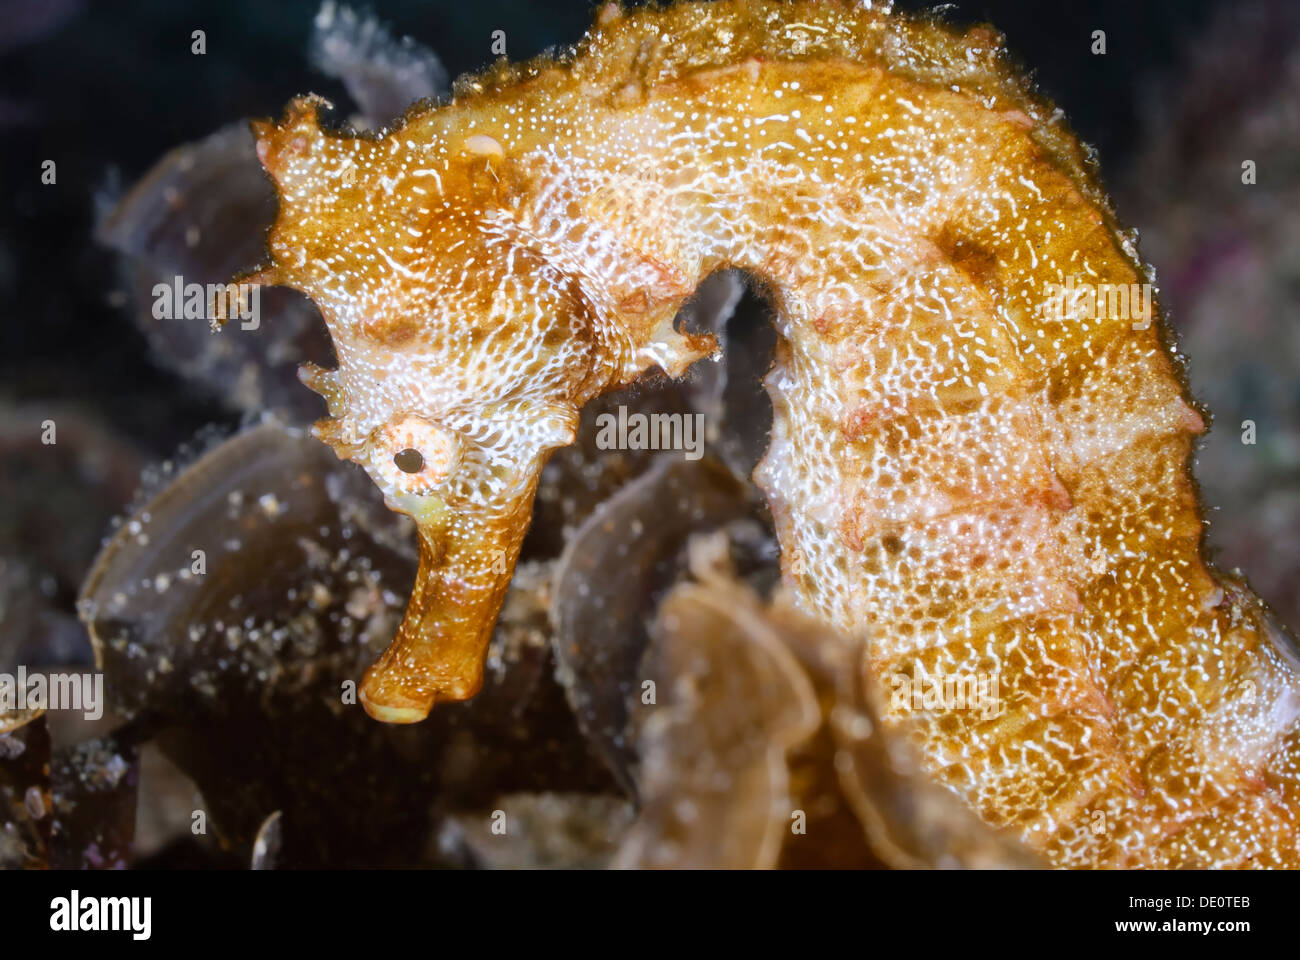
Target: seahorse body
{"x": 981, "y": 486}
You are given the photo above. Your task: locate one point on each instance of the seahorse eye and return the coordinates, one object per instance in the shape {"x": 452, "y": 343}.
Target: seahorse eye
{"x": 414, "y": 455}
{"x": 409, "y": 460}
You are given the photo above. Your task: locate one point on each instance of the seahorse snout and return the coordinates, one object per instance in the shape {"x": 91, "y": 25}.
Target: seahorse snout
{"x": 467, "y": 557}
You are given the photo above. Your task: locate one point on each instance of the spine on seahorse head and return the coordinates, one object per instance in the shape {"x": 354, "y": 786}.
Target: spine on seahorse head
{"x": 981, "y": 439}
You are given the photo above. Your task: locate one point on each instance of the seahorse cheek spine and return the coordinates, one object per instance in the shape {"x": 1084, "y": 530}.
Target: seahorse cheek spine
{"x": 987, "y": 488}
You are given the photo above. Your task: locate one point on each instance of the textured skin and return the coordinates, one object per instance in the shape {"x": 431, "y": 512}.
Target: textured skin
{"x": 973, "y": 485}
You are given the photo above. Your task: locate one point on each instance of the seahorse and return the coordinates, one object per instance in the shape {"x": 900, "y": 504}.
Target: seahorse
{"x": 978, "y": 474}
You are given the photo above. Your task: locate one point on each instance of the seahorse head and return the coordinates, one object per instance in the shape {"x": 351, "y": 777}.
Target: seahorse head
{"x": 463, "y": 358}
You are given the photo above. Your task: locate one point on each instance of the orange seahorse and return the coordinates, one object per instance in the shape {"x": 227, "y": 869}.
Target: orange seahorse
{"x": 981, "y": 476}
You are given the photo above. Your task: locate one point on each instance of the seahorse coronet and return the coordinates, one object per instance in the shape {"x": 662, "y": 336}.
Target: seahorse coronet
{"x": 982, "y": 432}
